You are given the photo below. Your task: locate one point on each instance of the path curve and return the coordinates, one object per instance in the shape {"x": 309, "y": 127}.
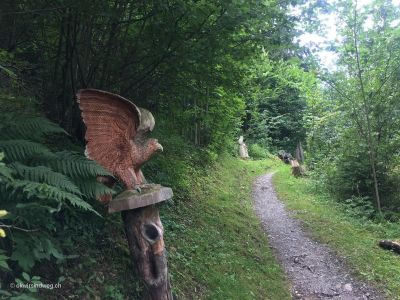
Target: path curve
{"x": 314, "y": 271}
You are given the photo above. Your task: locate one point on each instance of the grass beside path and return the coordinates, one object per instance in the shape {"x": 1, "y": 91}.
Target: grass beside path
{"x": 217, "y": 249}
{"x": 353, "y": 238}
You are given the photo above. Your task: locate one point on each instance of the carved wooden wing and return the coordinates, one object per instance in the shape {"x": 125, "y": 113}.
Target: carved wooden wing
{"x": 112, "y": 122}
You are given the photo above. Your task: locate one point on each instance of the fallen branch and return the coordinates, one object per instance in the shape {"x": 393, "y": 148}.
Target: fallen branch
{"x": 390, "y": 245}
{"x": 18, "y": 228}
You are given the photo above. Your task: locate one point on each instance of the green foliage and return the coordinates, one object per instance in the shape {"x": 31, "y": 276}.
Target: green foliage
{"x": 44, "y": 174}
{"x": 175, "y": 166}
{"x": 353, "y": 122}
{"x": 31, "y": 128}
{"x": 5, "y": 172}
{"x": 276, "y": 101}
{"x": 39, "y": 185}
{"x": 257, "y": 151}
{"x": 360, "y": 207}
{"x": 21, "y": 150}
{"x": 187, "y": 61}
{"x": 113, "y": 292}
{"x": 75, "y": 165}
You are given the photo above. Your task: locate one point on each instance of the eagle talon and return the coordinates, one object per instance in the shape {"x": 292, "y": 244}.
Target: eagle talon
{"x": 138, "y": 189}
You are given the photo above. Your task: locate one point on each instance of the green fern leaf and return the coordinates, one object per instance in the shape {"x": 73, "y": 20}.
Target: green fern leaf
{"x": 5, "y": 171}
{"x": 91, "y": 188}
{"x": 78, "y": 202}
{"x": 45, "y": 175}
{"x": 45, "y": 191}
{"x": 20, "y": 150}
{"x": 76, "y": 165}
{"x": 29, "y": 128}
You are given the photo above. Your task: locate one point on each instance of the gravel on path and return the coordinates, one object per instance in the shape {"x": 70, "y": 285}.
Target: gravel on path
{"x": 313, "y": 270}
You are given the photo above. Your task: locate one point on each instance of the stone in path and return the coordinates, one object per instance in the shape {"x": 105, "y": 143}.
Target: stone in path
{"x": 314, "y": 271}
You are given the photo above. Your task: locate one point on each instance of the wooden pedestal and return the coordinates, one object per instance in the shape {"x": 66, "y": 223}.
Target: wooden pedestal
{"x": 145, "y": 235}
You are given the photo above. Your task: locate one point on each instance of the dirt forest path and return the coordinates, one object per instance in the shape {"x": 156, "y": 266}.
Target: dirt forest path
{"x": 313, "y": 270}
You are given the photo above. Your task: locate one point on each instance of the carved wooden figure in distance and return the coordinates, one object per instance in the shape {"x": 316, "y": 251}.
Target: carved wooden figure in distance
{"x": 243, "y": 152}
{"x": 116, "y": 135}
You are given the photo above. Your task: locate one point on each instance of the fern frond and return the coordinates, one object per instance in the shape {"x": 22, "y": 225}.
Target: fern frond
{"x": 79, "y": 203}
{"x": 45, "y": 175}
{"x": 5, "y": 172}
{"x": 17, "y": 150}
{"x": 91, "y": 188}
{"x": 28, "y": 127}
{"x": 4, "y": 194}
{"x": 76, "y": 165}
{"x": 44, "y": 191}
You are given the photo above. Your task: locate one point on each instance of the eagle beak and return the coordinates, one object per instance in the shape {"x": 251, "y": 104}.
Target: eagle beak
{"x": 160, "y": 147}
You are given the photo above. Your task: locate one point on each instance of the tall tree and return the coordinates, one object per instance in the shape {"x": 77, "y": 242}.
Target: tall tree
{"x": 365, "y": 93}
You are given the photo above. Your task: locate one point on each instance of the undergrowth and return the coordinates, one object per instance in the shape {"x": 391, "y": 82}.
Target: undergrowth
{"x": 43, "y": 190}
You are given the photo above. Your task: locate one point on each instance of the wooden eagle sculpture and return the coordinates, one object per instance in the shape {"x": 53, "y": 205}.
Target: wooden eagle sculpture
{"x": 116, "y": 139}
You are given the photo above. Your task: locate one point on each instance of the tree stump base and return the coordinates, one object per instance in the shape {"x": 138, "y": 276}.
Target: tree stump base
{"x": 145, "y": 234}
{"x": 297, "y": 169}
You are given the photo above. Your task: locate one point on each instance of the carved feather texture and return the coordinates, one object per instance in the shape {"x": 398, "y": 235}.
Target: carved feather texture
{"x": 116, "y": 135}
{"x": 111, "y": 123}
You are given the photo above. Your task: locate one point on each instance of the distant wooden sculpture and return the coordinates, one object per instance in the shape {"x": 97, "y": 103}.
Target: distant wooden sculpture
{"x": 116, "y": 132}
{"x": 390, "y": 245}
{"x": 297, "y": 169}
{"x": 243, "y": 151}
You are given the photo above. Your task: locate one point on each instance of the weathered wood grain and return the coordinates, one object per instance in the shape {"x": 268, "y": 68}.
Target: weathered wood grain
{"x": 131, "y": 199}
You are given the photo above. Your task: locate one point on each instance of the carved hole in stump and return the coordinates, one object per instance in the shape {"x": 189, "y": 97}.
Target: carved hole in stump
{"x": 151, "y": 233}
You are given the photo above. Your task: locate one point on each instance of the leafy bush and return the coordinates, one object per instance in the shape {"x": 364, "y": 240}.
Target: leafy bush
{"x": 41, "y": 186}
{"x": 258, "y": 152}
{"x": 360, "y": 207}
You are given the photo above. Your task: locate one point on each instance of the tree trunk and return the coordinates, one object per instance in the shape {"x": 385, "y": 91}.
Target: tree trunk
{"x": 366, "y": 108}
{"x": 299, "y": 153}
{"x": 144, "y": 232}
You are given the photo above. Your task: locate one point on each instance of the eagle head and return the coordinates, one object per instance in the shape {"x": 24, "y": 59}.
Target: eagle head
{"x": 154, "y": 145}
